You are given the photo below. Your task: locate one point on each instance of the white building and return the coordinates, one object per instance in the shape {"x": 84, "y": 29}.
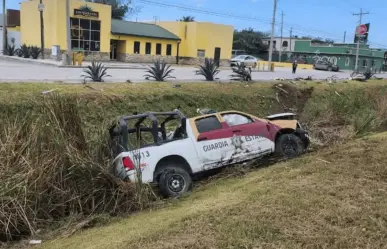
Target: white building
{"x": 286, "y": 46}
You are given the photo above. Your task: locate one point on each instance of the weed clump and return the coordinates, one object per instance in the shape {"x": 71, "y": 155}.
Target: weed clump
{"x": 48, "y": 171}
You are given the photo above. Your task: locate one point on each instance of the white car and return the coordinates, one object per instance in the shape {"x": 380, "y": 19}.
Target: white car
{"x": 248, "y": 60}
{"x": 197, "y": 144}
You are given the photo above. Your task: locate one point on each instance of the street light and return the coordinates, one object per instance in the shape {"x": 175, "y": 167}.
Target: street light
{"x": 4, "y": 28}
{"x": 68, "y": 57}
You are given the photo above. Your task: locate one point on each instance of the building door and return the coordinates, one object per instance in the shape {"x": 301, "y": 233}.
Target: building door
{"x": 217, "y": 55}
{"x": 113, "y": 49}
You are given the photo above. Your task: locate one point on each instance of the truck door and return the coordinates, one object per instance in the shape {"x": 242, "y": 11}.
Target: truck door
{"x": 212, "y": 141}
{"x": 251, "y": 138}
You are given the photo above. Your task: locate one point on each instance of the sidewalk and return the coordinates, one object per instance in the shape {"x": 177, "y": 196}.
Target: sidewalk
{"x": 85, "y": 64}
{"x": 54, "y": 63}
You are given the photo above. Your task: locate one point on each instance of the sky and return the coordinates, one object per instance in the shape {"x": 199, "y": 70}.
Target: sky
{"x": 316, "y": 18}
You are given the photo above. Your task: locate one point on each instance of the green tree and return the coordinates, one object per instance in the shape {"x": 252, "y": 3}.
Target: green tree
{"x": 120, "y": 8}
{"x": 187, "y": 19}
{"x": 250, "y": 41}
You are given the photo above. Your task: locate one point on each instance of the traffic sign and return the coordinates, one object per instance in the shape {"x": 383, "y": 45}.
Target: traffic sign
{"x": 362, "y": 29}
{"x": 40, "y": 7}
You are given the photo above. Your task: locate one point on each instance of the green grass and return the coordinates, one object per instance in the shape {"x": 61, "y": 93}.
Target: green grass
{"x": 334, "y": 198}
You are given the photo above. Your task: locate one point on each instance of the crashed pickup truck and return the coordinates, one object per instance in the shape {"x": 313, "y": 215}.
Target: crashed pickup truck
{"x": 167, "y": 148}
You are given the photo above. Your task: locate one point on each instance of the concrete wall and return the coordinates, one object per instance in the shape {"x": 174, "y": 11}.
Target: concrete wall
{"x": 10, "y": 34}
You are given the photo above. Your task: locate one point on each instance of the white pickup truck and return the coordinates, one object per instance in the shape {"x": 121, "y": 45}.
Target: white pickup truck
{"x": 145, "y": 151}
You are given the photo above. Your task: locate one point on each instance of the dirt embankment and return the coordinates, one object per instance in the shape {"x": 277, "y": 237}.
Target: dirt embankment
{"x": 54, "y": 160}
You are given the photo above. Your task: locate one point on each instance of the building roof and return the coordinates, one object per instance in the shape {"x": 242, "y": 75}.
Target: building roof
{"x": 120, "y": 27}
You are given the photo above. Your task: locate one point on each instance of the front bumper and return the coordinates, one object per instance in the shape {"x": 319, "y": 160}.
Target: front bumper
{"x": 304, "y": 137}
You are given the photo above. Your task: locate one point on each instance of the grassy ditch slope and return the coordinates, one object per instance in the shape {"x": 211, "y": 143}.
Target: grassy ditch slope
{"x": 55, "y": 158}
{"x": 334, "y": 198}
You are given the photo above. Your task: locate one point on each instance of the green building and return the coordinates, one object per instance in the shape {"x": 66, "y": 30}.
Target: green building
{"x": 341, "y": 54}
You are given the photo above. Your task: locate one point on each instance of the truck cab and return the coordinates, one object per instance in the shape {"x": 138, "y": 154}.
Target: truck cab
{"x": 167, "y": 148}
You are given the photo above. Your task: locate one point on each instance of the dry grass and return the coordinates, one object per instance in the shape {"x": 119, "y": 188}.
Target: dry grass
{"x": 335, "y": 198}
{"x": 53, "y": 160}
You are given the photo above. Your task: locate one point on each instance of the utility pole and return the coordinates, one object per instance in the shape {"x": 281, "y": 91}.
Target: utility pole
{"x": 41, "y": 8}
{"x": 290, "y": 42}
{"x": 282, "y": 29}
{"x": 358, "y": 36}
{"x": 68, "y": 32}
{"x": 345, "y": 34}
{"x": 4, "y": 28}
{"x": 272, "y": 33}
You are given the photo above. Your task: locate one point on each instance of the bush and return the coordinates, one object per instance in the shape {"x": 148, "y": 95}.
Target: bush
{"x": 35, "y": 52}
{"x": 10, "y": 50}
{"x": 96, "y": 72}
{"x": 209, "y": 70}
{"x": 25, "y": 51}
{"x": 240, "y": 73}
{"x": 48, "y": 171}
{"x": 159, "y": 71}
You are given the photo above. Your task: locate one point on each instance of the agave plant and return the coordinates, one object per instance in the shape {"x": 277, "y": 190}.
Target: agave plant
{"x": 159, "y": 71}
{"x": 19, "y": 52}
{"x": 209, "y": 70}
{"x": 241, "y": 73}
{"x": 35, "y": 51}
{"x": 25, "y": 50}
{"x": 10, "y": 50}
{"x": 96, "y": 72}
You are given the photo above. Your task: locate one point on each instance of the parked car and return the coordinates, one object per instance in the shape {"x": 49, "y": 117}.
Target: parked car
{"x": 172, "y": 148}
{"x": 325, "y": 65}
{"x": 248, "y": 60}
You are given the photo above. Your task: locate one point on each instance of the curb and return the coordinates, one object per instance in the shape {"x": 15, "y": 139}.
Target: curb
{"x": 24, "y": 60}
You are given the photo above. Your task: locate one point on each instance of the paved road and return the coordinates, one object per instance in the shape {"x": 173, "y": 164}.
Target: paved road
{"x": 12, "y": 71}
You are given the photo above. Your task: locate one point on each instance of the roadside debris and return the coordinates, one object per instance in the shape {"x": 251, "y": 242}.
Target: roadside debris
{"x": 48, "y": 91}
{"x": 35, "y": 242}
{"x": 205, "y": 111}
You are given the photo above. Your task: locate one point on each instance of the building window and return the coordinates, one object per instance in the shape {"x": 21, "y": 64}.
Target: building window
{"x": 169, "y": 49}
{"x": 373, "y": 63}
{"x": 136, "y": 48}
{"x": 347, "y": 61}
{"x": 148, "y": 48}
{"x": 201, "y": 53}
{"x": 285, "y": 44}
{"x": 158, "y": 48}
{"x": 208, "y": 124}
{"x": 85, "y": 34}
{"x": 364, "y": 63}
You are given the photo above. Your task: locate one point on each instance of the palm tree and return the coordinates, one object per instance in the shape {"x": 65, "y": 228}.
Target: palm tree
{"x": 187, "y": 19}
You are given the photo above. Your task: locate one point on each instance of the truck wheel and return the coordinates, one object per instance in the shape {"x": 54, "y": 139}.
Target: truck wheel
{"x": 289, "y": 146}
{"x": 174, "y": 181}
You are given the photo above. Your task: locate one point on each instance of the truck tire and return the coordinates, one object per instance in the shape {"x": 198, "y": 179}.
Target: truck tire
{"x": 289, "y": 146}
{"x": 174, "y": 181}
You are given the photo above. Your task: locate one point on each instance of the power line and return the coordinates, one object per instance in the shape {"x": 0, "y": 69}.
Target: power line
{"x": 241, "y": 17}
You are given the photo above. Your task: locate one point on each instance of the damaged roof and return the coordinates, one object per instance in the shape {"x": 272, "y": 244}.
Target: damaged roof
{"x": 120, "y": 27}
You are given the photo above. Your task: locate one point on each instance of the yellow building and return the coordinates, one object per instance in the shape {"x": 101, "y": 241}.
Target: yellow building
{"x": 95, "y": 33}
{"x": 202, "y": 39}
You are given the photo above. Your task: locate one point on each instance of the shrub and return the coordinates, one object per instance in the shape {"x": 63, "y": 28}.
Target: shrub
{"x": 209, "y": 70}
{"x": 96, "y": 72}
{"x": 35, "y": 52}
{"x": 159, "y": 71}
{"x": 25, "y": 51}
{"x": 10, "y": 50}
{"x": 240, "y": 73}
